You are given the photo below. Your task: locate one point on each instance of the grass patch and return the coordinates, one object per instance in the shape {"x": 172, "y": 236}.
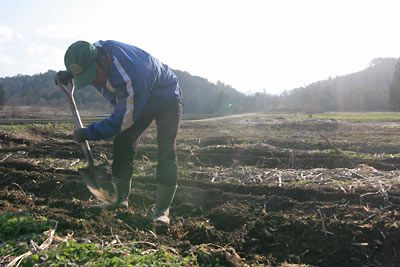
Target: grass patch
{"x": 360, "y": 116}
{"x": 18, "y": 128}
{"x": 15, "y": 128}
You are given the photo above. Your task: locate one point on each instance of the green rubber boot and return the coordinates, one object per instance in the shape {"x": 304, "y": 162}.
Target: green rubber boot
{"x": 164, "y": 196}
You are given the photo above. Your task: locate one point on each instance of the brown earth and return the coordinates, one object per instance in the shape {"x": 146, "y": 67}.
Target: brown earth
{"x": 239, "y": 202}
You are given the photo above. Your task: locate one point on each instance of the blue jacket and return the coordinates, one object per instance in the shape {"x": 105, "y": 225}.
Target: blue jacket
{"x": 137, "y": 85}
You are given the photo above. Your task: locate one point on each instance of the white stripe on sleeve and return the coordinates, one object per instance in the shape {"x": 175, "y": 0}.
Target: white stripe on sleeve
{"x": 127, "y": 121}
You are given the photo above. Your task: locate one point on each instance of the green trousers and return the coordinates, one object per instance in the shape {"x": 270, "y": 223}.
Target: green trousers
{"x": 126, "y": 143}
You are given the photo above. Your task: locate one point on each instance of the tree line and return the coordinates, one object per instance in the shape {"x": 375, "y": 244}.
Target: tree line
{"x": 376, "y": 88}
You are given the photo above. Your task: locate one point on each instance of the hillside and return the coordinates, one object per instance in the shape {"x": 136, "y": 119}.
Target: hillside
{"x": 200, "y": 95}
{"x": 366, "y": 90}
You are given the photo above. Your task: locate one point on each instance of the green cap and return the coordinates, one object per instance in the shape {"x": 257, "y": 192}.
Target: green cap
{"x": 80, "y": 61}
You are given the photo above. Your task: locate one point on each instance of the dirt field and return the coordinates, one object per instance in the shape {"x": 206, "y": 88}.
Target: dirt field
{"x": 260, "y": 189}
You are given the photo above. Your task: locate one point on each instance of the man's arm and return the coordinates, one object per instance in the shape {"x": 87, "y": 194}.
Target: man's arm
{"x": 110, "y": 126}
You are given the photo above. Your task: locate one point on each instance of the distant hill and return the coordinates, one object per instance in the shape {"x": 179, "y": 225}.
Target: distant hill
{"x": 366, "y": 90}
{"x": 200, "y": 95}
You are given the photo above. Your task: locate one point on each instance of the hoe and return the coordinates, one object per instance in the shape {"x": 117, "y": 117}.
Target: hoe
{"x": 94, "y": 177}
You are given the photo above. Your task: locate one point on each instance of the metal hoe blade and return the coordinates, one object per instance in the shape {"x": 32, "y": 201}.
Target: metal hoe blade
{"x": 103, "y": 189}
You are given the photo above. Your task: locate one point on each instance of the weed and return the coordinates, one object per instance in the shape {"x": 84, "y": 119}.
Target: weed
{"x": 13, "y": 248}
{"x": 83, "y": 254}
{"x": 17, "y": 229}
{"x": 79, "y": 165}
{"x": 13, "y": 225}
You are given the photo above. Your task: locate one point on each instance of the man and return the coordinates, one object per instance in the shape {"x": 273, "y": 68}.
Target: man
{"x": 141, "y": 89}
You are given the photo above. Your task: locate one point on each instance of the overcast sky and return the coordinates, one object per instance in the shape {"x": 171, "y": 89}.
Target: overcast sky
{"x": 251, "y": 45}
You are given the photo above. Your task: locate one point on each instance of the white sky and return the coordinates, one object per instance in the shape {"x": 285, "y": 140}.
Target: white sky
{"x": 249, "y": 44}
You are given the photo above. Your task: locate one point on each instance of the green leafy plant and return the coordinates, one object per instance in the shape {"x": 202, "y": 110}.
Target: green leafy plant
{"x": 83, "y": 254}
{"x": 13, "y": 225}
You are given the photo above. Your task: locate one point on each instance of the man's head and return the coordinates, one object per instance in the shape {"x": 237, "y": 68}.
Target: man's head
{"x": 88, "y": 64}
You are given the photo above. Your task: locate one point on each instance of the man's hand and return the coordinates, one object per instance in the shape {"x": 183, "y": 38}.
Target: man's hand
{"x": 80, "y": 135}
{"x": 64, "y": 77}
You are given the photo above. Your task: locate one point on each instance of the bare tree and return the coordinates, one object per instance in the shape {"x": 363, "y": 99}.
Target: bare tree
{"x": 394, "y": 91}
{"x": 2, "y": 96}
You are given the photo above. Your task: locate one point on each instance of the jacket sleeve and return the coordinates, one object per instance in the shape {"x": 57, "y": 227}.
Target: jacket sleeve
{"x": 110, "y": 126}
